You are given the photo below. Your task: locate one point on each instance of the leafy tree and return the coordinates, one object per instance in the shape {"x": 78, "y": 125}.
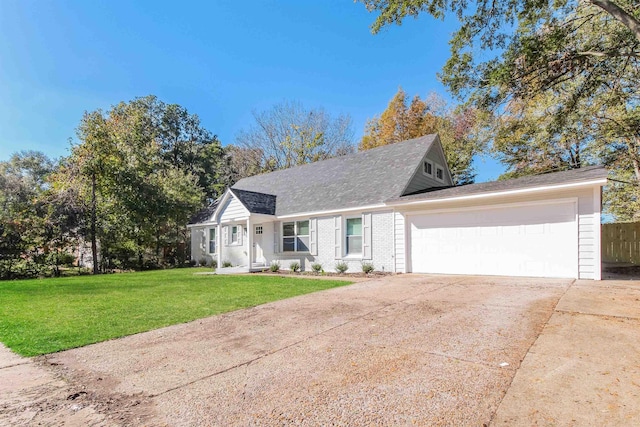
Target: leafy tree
{"x": 580, "y": 59}
{"x": 529, "y": 141}
{"x": 22, "y": 186}
{"x": 404, "y": 120}
{"x": 289, "y": 134}
{"x": 140, "y": 169}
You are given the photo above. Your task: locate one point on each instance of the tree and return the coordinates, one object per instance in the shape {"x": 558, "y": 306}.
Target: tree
{"x": 23, "y": 183}
{"x": 581, "y": 58}
{"x": 403, "y": 120}
{"x": 529, "y": 141}
{"x": 289, "y": 134}
{"x": 140, "y": 169}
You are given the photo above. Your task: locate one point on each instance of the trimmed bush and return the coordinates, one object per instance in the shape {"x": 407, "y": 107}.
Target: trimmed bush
{"x": 341, "y": 267}
{"x": 214, "y": 264}
{"x": 202, "y": 262}
{"x": 274, "y": 267}
{"x": 317, "y": 268}
{"x": 226, "y": 264}
{"x": 367, "y": 267}
{"x": 294, "y": 266}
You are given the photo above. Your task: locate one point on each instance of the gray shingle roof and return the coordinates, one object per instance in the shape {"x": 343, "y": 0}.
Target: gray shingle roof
{"x": 259, "y": 203}
{"x": 364, "y": 178}
{"x": 554, "y": 178}
{"x": 204, "y": 214}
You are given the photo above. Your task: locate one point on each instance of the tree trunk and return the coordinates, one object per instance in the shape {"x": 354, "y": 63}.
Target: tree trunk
{"x": 94, "y": 243}
{"x": 620, "y": 15}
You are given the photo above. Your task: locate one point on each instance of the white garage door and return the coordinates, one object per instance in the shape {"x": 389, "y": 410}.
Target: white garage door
{"x": 535, "y": 240}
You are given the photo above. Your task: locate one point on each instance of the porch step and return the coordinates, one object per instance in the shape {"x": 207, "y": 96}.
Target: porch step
{"x": 255, "y": 267}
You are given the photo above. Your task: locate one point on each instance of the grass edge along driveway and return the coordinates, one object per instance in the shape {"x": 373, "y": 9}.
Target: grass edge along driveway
{"x": 49, "y": 315}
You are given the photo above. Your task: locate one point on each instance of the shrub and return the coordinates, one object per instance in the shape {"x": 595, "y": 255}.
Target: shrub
{"x": 226, "y": 264}
{"x": 294, "y": 266}
{"x": 214, "y": 264}
{"x": 202, "y": 262}
{"x": 274, "y": 267}
{"x": 341, "y": 267}
{"x": 316, "y": 267}
{"x": 367, "y": 267}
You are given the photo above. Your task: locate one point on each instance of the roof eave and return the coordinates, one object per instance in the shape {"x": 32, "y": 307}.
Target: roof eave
{"x": 591, "y": 183}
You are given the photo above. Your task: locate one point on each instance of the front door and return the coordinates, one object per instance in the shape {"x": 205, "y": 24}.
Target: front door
{"x": 258, "y": 255}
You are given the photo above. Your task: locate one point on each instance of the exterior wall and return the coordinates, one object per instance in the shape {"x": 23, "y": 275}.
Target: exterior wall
{"x": 588, "y": 248}
{"x": 199, "y": 247}
{"x": 382, "y": 243}
{"x": 232, "y": 210}
{"x": 236, "y": 254}
{"x": 420, "y": 181}
{"x": 382, "y": 246}
{"x": 588, "y": 222}
{"x": 400, "y": 242}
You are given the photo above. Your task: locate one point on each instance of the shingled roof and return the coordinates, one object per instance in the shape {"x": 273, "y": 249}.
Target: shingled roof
{"x": 589, "y": 173}
{"x": 259, "y": 203}
{"x": 365, "y": 178}
{"x": 205, "y": 214}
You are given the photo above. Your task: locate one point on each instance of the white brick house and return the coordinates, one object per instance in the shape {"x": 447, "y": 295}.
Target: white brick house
{"x": 395, "y": 207}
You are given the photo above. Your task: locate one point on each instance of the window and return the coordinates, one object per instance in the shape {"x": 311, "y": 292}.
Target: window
{"x": 258, "y": 230}
{"x": 295, "y": 236}
{"x": 354, "y": 236}
{"x": 440, "y": 174}
{"x": 427, "y": 168}
{"x": 234, "y": 235}
{"x": 212, "y": 240}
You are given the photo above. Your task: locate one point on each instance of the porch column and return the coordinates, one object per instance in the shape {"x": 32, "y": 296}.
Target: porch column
{"x": 219, "y": 245}
{"x": 249, "y": 243}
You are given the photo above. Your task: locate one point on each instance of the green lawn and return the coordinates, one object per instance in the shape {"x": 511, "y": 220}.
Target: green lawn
{"x": 48, "y": 315}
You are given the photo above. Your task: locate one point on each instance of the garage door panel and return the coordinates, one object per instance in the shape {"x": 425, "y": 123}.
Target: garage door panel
{"x": 539, "y": 240}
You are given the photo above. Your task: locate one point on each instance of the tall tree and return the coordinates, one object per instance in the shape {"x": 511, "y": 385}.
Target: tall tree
{"x": 582, "y": 57}
{"x": 404, "y": 120}
{"x": 290, "y": 134}
{"x": 141, "y": 169}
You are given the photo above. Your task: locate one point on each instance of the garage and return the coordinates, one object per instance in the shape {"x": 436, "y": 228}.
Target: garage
{"x": 537, "y": 240}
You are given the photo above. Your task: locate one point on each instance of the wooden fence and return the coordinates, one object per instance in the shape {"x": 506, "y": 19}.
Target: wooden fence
{"x": 621, "y": 243}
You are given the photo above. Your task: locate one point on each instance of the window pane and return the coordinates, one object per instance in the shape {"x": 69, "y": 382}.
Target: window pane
{"x": 303, "y": 244}
{"x": 288, "y": 229}
{"x": 303, "y": 228}
{"x": 354, "y": 226}
{"x": 212, "y": 234}
{"x": 354, "y": 245}
{"x": 212, "y": 246}
{"x": 287, "y": 244}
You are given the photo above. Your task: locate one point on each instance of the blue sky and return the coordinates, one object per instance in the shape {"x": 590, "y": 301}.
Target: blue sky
{"x": 219, "y": 59}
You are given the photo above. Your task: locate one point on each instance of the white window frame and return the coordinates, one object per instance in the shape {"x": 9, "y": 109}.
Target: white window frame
{"x": 214, "y": 241}
{"x": 237, "y": 234}
{"x": 435, "y": 175}
{"x": 295, "y": 236}
{"x": 346, "y": 238}
{"x": 424, "y": 164}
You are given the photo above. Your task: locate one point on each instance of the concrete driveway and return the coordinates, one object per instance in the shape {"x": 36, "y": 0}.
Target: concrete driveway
{"x": 402, "y": 350}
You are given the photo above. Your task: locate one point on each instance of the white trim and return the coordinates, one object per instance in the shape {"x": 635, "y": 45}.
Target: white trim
{"x": 435, "y": 174}
{"x": 494, "y": 206}
{"x": 344, "y": 254}
{"x": 597, "y": 230}
{"x": 500, "y": 193}
{"x": 425, "y": 160}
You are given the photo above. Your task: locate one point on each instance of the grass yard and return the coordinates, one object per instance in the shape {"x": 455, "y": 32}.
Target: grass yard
{"x": 49, "y": 315}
